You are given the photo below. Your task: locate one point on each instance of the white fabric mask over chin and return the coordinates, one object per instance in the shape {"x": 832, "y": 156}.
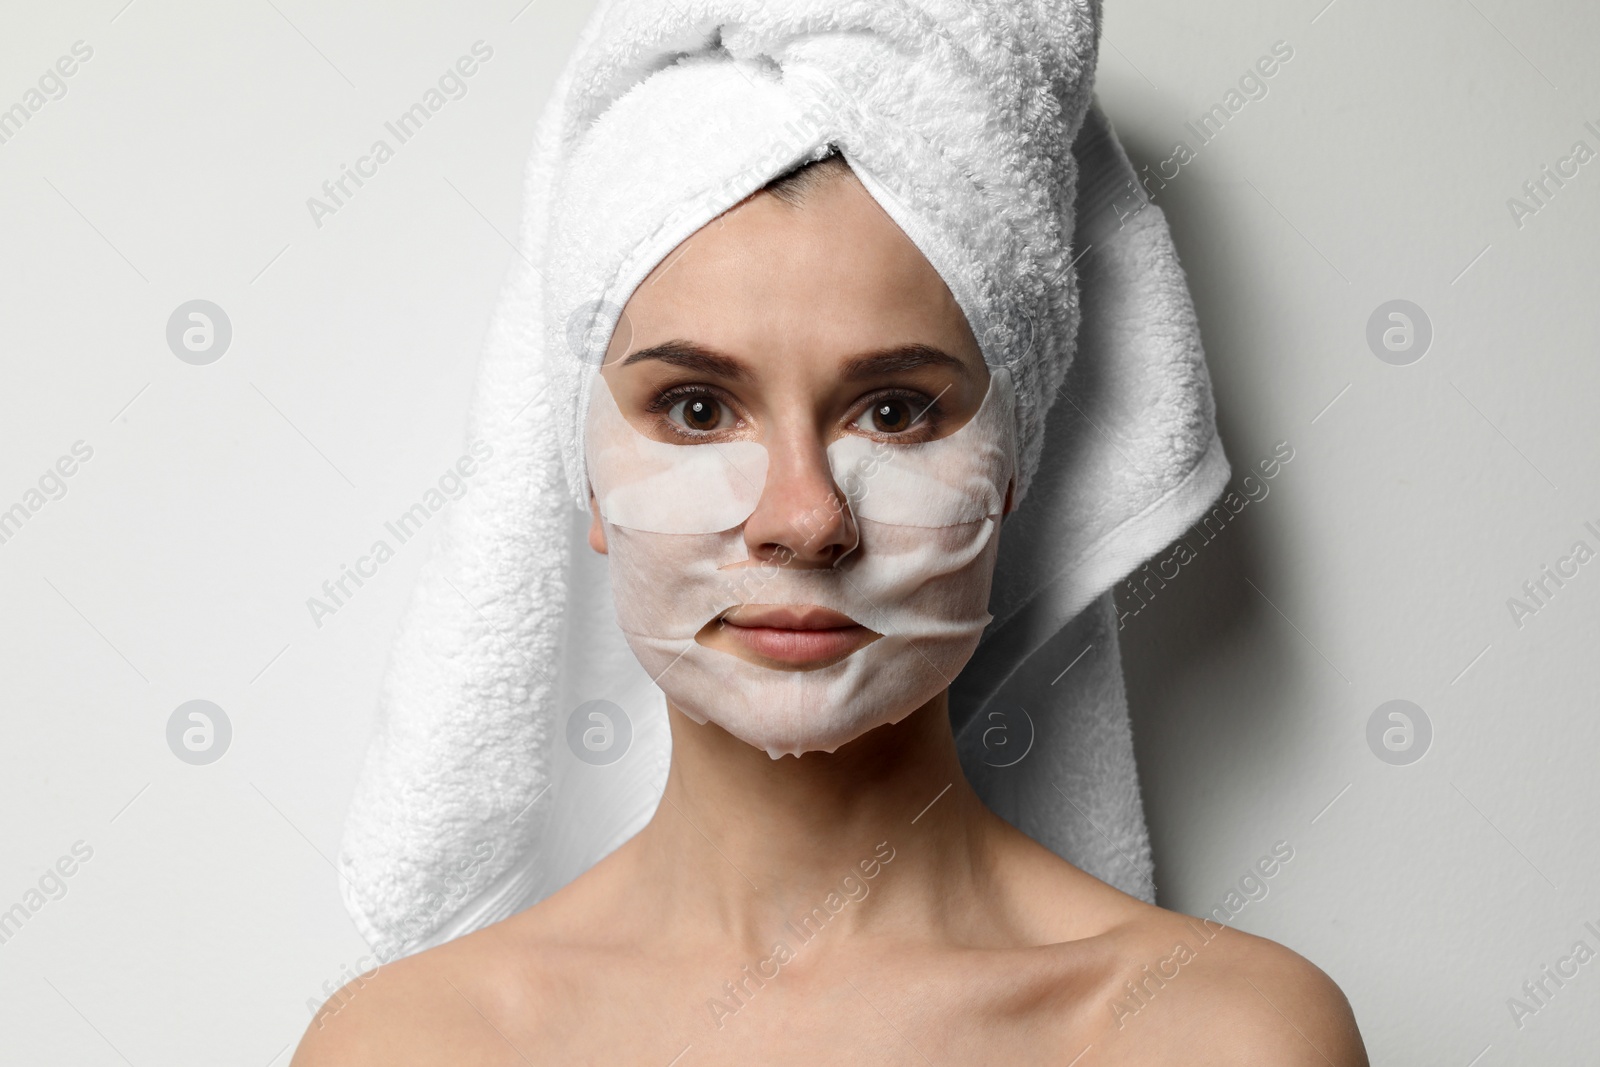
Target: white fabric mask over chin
{"x": 927, "y": 515}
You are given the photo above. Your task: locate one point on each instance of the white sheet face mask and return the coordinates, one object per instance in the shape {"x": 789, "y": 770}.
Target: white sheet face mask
{"x": 928, "y": 517}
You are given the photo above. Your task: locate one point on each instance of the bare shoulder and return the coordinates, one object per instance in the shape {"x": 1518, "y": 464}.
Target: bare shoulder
{"x": 1211, "y": 994}
{"x": 1140, "y": 984}
{"x": 434, "y": 1007}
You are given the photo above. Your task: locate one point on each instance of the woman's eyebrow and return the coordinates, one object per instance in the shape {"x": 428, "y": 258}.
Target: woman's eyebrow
{"x": 899, "y": 358}
{"x": 694, "y": 357}
{"x": 699, "y": 358}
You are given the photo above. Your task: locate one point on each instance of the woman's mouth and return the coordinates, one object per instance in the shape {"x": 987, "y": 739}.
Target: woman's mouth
{"x": 803, "y": 637}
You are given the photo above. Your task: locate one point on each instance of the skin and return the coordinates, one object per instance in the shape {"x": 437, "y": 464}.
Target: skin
{"x": 957, "y": 939}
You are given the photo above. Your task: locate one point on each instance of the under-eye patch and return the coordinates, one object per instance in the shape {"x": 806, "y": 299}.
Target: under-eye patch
{"x": 951, "y": 480}
{"x": 661, "y": 487}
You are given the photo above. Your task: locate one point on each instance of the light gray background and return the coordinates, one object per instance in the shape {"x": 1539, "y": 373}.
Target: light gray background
{"x": 219, "y": 498}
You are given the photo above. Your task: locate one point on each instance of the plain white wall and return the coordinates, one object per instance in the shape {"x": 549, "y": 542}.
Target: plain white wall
{"x": 1379, "y": 565}
{"x": 218, "y": 498}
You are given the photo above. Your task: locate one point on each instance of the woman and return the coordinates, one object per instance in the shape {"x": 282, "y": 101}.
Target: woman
{"x": 959, "y": 940}
{"x": 820, "y": 882}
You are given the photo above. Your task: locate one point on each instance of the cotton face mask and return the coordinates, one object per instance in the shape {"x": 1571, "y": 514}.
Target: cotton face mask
{"x": 928, "y": 517}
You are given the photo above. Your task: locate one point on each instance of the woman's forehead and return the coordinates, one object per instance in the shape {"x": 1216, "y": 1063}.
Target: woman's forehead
{"x": 826, "y": 279}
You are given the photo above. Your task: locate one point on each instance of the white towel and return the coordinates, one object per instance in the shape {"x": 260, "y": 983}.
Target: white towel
{"x": 970, "y": 123}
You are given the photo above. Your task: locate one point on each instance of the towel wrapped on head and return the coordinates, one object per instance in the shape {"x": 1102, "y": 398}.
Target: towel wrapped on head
{"x": 971, "y": 123}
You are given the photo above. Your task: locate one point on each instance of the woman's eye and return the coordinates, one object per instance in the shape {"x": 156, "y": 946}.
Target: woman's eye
{"x": 891, "y": 415}
{"x": 700, "y": 412}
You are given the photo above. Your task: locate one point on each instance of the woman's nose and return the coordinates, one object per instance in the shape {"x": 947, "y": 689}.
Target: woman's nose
{"x": 802, "y": 518}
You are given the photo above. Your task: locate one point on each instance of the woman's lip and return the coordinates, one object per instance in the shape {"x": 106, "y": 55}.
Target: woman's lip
{"x": 786, "y": 617}
{"x": 799, "y": 646}
{"x": 797, "y": 636}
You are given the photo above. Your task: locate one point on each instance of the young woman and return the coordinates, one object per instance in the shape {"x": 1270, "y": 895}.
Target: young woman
{"x": 859, "y": 905}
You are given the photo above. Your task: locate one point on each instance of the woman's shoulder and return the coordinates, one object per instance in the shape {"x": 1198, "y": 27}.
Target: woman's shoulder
{"x": 1140, "y": 983}
{"x": 1208, "y": 993}
{"x": 432, "y": 1007}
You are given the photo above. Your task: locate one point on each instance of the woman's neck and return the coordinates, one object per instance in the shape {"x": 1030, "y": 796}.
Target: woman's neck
{"x": 883, "y": 835}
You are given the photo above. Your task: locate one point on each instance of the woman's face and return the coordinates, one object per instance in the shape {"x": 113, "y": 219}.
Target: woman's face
{"x": 792, "y": 327}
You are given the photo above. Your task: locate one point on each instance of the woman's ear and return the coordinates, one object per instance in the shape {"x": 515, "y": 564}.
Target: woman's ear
{"x": 597, "y": 531}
